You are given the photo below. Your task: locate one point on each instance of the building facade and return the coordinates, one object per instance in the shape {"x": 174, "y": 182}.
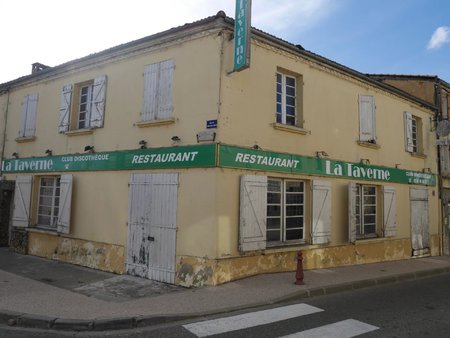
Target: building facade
{"x": 155, "y": 159}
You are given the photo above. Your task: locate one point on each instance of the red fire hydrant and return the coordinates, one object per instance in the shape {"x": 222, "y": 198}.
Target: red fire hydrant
{"x": 299, "y": 275}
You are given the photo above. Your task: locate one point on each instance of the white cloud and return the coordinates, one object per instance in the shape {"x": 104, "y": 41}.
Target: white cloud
{"x": 440, "y": 36}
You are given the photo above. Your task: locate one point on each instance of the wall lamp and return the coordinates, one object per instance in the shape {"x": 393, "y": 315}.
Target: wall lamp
{"x": 257, "y": 147}
{"x": 16, "y": 155}
{"x": 89, "y": 149}
{"x": 175, "y": 139}
{"x": 397, "y": 165}
{"x": 321, "y": 153}
{"x": 426, "y": 170}
{"x": 143, "y": 144}
{"x": 365, "y": 161}
{"x": 49, "y": 152}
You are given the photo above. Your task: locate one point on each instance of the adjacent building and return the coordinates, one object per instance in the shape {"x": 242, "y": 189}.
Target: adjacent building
{"x": 155, "y": 158}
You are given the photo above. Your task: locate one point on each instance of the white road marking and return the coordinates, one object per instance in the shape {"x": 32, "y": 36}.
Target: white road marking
{"x": 344, "y": 329}
{"x": 252, "y": 319}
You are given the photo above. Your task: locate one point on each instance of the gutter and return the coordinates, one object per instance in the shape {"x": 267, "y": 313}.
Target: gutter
{"x": 4, "y": 129}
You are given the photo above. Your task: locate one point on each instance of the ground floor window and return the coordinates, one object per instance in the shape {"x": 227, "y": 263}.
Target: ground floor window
{"x": 366, "y": 210}
{"x": 285, "y": 210}
{"x": 48, "y": 205}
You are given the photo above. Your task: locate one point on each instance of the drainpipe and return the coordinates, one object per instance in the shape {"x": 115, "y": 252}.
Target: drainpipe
{"x": 5, "y": 122}
{"x": 437, "y": 102}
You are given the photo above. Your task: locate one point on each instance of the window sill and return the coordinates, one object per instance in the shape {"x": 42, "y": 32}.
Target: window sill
{"x": 368, "y": 144}
{"x": 77, "y": 132}
{"x": 42, "y": 230}
{"x": 152, "y": 123}
{"x": 25, "y": 139}
{"x": 292, "y": 129}
{"x": 418, "y": 155}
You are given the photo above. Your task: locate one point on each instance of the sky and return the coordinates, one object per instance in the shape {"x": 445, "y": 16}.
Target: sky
{"x": 370, "y": 36}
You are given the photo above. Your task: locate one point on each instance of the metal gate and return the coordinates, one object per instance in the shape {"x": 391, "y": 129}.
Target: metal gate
{"x": 152, "y": 213}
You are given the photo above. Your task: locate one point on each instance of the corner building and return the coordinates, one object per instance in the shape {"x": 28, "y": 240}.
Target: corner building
{"x": 153, "y": 158}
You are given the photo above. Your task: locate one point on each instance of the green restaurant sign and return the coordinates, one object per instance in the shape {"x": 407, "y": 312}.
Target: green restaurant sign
{"x": 212, "y": 155}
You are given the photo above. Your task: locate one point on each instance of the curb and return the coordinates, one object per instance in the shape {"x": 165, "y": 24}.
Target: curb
{"x": 19, "y": 319}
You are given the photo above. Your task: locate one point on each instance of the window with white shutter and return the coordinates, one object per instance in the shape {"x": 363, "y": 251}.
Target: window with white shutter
{"x": 22, "y": 201}
{"x": 28, "y": 118}
{"x": 83, "y": 105}
{"x": 321, "y": 213}
{"x": 367, "y": 119}
{"x": 158, "y": 91}
{"x": 389, "y": 211}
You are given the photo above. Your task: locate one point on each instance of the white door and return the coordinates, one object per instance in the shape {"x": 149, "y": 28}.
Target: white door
{"x": 151, "y": 246}
{"x": 419, "y": 222}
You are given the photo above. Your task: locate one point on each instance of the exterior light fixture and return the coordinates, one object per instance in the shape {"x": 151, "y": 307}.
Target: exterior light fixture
{"x": 257, "y": 147}
{"x": 49, "y": 152}
{"x": 89, "y": 149}
{"x": 143, "y": 144}
{"x": 365, "y": 161}
{"x": 321, "y": 153}
{"x": 16, "y": 155}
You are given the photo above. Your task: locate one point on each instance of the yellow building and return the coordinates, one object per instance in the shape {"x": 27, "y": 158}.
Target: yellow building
{"x": 154, "y": 158}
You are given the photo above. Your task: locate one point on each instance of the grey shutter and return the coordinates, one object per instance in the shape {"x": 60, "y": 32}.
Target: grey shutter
{"x": 352, "y": 192}
{"x": 65, "y": 201}
{"x": 22, "y": 201}
{"x": 445, "y": 160}
{"x": 64, "y": 111}
{"x": 321, "y": 214}
{"x": 444, "y": 104}
{"x": 158, "y": 83}
{"x": 165, "y": 104}
{"x": 419, "y": 219}
{"x": 253, "y": 213}
{"x": 409, "y": 144}
{"x": 366, "y": 118}
{"x": 28, "y": 122}
{"x": 389, "y": 211}
{"x": 98, "y": 102}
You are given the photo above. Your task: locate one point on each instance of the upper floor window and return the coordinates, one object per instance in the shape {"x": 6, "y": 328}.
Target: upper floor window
{"x": 286, "y": 99}
{"x": 413, "y": 133}
{"x": 158, "y": 91}
{"x": 367, "y": 119}
{"x": 28, "y": 117}
{"x": 83, "y": 105}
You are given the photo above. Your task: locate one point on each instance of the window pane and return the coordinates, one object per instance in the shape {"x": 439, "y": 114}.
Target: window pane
{"x": 273, "y": 198}
{"x": 294, "y": 198}
{"x": 273, "y": 210}
{"x": 294, "y": 210}
{"x": 279, "y": 98}
{"x": 290, "y": 81}
{"x": 290, "y": 91}
{"x": 273, "y": 185}
{"x": 369, "y": 219}
{"x": 290, "y": 120}
{"x": 278, "y": 78}
{"x": 294, "y": 186}
{"x": 290, "y": 101}
{"x": 369, "y": 229}
{"x": 272, "y": 236}
{"x": 290, "y": 110}
{"x": 279, "y": 88}
{"x": 279, "y": 119}
{"x": 294, "y": 222}
{"x": 279, "y": 109}
{"x": 273, "y": 223}
{"x": 370, "y": 210}
{"x": 294, "y": 234}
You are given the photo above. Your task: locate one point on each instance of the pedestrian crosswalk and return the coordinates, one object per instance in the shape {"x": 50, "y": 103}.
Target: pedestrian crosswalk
{"x": 342, "y": 329}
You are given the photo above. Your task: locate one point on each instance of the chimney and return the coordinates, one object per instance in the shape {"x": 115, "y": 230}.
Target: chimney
{"x": 37, "y": 67}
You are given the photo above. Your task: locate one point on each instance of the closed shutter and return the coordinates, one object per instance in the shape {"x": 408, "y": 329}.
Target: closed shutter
{"x": 98, "y": 102}
{"x": 389, "y": 211}
{"x": 321, "y": 215}
{"x": 253, "y": 213}
{"x": 366, "y": 118}
{"x": 445, "y": 160}
{"x": 158, "y": 83}
{"x": 352, "y": 193}
{"x": 165, "y": 104}
{"x": 409, "y": 143}
{"x": 65, "y": 201}
{"x": 29, "y": 110}
{"x": 445, "y": 104}
{"x": 64, "y": 111}
{"x": 22, "y": 201}
{"x": 419, "y": 220}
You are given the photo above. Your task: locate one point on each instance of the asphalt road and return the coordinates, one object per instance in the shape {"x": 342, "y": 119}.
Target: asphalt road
{"x": 418, "y": 308}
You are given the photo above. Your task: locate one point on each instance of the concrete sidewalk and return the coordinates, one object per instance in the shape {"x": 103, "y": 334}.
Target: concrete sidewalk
{"x": 82, "y": 299}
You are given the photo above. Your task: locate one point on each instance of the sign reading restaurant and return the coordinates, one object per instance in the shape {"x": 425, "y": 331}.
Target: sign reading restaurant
{"x": 215, "y": 155}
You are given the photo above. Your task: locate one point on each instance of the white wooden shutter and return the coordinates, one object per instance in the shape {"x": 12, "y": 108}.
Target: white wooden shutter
{"x": 409, "y": 143}
{"x": 253, "y": 213}
{"x": 64, "y": 111}
{"x": 444, "y": 104}
{"x": 321, "y": 215}
{"x": 65, "y": 201}
{"x": 445, "y": 160}
{"x": 389, "y": 211}
{"x": 22, "y": 201}
{"x": 165, "y": 104}
{"x": 158, "y": 83}
{"x": 28, "y": 122}
{"x": 419, "y": 219}
{"x": 98, "y": 102}
{"x": 366, "y": 118}
{"x": 352, "y": 193}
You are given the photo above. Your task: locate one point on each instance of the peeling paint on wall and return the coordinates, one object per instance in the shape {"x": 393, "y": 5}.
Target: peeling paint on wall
{"x": 100, "y": 256}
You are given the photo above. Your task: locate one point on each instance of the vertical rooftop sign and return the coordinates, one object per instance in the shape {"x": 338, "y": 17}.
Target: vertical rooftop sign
{"x": 242, "y": 28}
